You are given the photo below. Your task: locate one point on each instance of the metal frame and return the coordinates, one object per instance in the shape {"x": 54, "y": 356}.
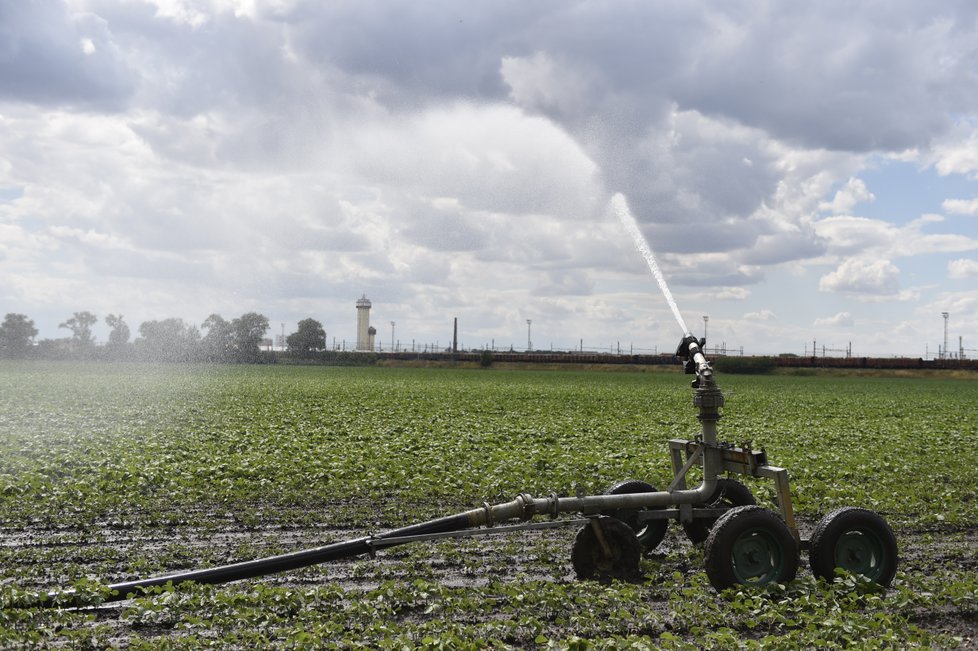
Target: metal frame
{"x": 738, "y": 460}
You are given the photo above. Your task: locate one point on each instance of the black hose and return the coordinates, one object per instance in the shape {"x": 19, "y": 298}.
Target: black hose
{"x": 283, "y": 562}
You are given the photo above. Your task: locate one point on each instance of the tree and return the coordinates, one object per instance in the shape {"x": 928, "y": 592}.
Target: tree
{"x": 16, "y": 333}
{"x": 80, "y": 325}
{"x": 247, "y": 332}
{"x": 217, "y": 343}
{"x": 169, "y": 340}
{"x": 120, "y": 331}
{"x": 310, "y": 336}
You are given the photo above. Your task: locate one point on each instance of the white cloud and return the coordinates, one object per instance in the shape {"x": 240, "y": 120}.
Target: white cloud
{"x": 510, "y": 161}
{"x": 41, "y": 62}
{"x": 841, "y": 319}
{"x": 859, "y": 276}
{"x": 762, "y": 315}
{"x": 541, "y": 83}
{"x": 848, "y": 197}
{"x": 727, "y": 294}
{"x": 183, "y": 11}
{"x": 962, "y": 268}
{"x": 960, "y": 206}
{"x": 956, "y": 152}
{"x": 847, "y": 236}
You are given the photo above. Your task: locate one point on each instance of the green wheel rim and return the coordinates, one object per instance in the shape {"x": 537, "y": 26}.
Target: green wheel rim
{"x": 758, "y": 557}
{"x": 861, "y": 551}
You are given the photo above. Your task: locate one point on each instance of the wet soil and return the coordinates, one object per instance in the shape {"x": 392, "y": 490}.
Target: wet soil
{"x": 44, "y": 558}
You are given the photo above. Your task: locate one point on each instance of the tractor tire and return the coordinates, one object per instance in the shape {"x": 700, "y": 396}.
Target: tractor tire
{"x": 751, "y": 546}
{"x": 856, "y": 540}
{"x": 592, "y": 561}
{"x": 651, "y": 532}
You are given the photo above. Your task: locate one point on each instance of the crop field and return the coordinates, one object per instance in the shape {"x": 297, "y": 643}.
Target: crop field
{"x": 115, "y": 472}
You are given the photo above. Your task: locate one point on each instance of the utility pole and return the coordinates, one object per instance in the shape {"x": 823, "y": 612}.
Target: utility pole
{"x": 944, "y": 349}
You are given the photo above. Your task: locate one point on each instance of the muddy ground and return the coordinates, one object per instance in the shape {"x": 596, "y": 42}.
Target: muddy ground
{"x": 45, "y": 558}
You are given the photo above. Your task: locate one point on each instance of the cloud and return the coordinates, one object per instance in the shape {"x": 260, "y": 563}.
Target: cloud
{"x": 960, "y": 206}
{"x": 847, "y": 236}
{"x": 760, "y": 85}
{"x": 848, "y": 197}
{"x": 566, "y": 283}
{"x": 538, "y": 81}
{"x": 51, "y": 56}
{"x": 784, "y": 245}
{"x": 762, "y": 315}
{"x": 488, "y": 157}
{"x": 963, "y": 268}
{"x": 841, "y": 319}
{"x": 858, "y": 276}
{"x": 956, "y": 151}
{"x": 725, "y": 294}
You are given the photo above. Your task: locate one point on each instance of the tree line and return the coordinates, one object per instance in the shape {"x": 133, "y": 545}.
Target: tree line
{"x": 168, "y": 340}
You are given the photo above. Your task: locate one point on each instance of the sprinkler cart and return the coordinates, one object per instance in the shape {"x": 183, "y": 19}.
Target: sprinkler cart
{"x": 744, "y": 543}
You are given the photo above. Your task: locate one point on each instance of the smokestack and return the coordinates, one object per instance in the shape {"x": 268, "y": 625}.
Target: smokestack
{"x": 455, "y": 337}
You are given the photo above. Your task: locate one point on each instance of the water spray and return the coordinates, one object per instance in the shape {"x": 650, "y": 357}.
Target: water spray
{"x": 620, "y": 206}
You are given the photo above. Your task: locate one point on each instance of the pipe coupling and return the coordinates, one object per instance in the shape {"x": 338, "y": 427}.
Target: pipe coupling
{"x": 525, "y": 500}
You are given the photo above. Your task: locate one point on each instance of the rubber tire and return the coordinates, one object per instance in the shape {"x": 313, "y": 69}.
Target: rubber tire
{"x": 728, "y": 492}
{"x": 742, "y": 533}
{"x": 590, "y": 561}
{"x": 861, "y": 531}
{"x": 651, "y": 532}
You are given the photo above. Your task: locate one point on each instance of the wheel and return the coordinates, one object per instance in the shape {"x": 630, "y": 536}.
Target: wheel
{"x": 750, "y": 545}
{"x": 651, "y": 532}
{"x": 728, "y": 493}
{"x": 857, "y": 540}
{"x": 590, "y": 559}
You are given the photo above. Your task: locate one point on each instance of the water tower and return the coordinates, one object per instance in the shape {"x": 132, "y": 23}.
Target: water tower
{"x": 363, "y": 324}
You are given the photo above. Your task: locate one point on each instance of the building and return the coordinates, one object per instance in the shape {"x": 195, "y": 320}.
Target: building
{"x": 365, "y": 340}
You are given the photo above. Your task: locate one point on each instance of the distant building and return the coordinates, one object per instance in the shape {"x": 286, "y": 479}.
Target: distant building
{"x": 365, "y": 334}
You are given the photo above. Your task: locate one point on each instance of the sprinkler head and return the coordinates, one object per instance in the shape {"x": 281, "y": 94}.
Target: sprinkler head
{"x": 684, "y": 353}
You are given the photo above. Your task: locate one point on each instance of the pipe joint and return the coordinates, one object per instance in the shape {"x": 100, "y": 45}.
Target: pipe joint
{"x": 490, "y": 519}
{"x": 527, "y": 506}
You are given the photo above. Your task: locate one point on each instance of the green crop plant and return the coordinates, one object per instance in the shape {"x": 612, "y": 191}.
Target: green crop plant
{"x": 111, "y": 471}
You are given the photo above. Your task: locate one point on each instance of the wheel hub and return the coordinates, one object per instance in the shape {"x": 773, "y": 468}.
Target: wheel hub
{"x": 860, "y": 553}
{"x": 756, "y": 557}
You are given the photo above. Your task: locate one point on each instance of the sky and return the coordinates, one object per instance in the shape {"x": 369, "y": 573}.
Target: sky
{"x": 806, "y": 173}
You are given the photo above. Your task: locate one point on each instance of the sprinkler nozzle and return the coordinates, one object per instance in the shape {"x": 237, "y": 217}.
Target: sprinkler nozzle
{"x": 685, "y": 352}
